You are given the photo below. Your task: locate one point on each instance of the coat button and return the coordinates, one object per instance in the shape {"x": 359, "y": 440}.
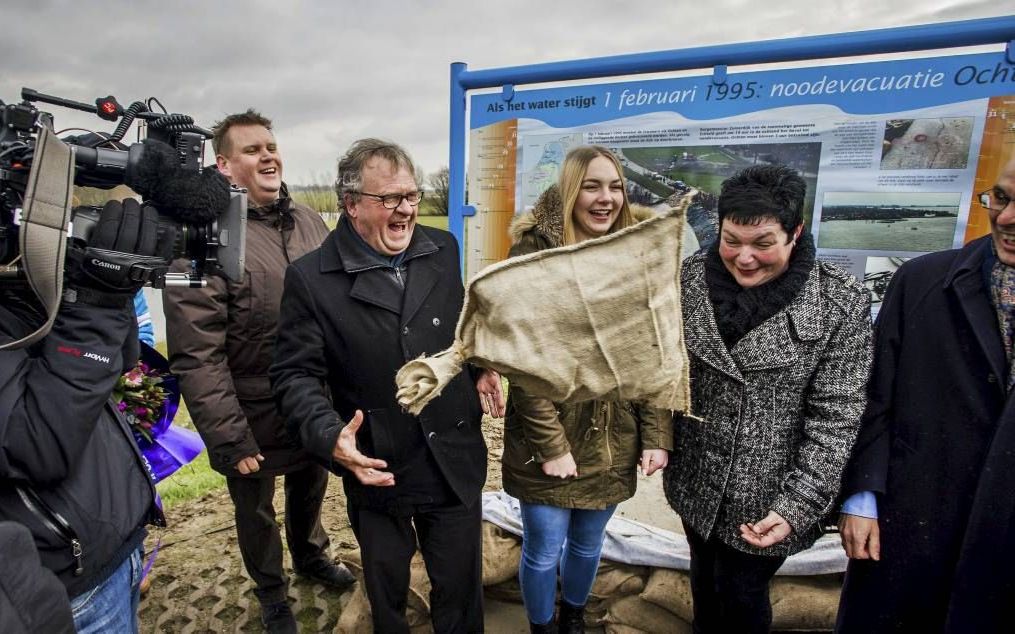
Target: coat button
{"x": 460, "y": 424}
{"x": 432, "y": 436}
{"x": 991, "y": 378}
{"x": 405, "y": 331}
{"x": 436, "y": 321}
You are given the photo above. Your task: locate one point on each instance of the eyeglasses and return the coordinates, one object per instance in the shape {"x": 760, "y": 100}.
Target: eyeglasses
{"x": 995, "y": 199}
{"x": 392, "y": 201}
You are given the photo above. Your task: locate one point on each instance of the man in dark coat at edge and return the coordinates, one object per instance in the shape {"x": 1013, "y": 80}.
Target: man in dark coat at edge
{"x": 936, "y": 452}
{"x": 70, "y": 470}
{"x": 221, "y": 341}
{"x": 380, "y": 291}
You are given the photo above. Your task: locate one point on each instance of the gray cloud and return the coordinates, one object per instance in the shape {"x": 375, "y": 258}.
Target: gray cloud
{"x": 328, "y": 73}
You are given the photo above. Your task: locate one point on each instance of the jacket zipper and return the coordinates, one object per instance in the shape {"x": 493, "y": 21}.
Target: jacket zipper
{"x": 285, "y": 241}
{"x": 54, "y": 522}
{"x": 606, "y": 432}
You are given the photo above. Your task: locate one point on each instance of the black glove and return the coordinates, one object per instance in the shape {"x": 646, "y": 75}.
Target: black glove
{"x": 121, "y": 255}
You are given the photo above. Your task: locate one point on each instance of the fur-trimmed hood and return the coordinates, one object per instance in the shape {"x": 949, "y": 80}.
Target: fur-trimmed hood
{"x": 547, "y": 219}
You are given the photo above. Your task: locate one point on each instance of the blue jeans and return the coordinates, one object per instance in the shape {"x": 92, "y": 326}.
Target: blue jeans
{"x": 112, "y": 605}
{"x": 544, "y": 532}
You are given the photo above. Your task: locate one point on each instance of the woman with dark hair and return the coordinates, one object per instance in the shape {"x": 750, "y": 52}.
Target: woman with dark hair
{"x": 570, "y": 465}
{"x": 780, "y": 352}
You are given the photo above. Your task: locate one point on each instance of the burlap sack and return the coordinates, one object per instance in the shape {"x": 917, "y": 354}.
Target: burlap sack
{"x": 596, "y": 320}
{"x": 635, "y": 612}
{"x": 616, "y": 580}
{"x": 805, "y": 603}
{"x": 619, "y": 628}
{"x": 356, "y": 615}
{"x": 502, "y": 551}
{"x": 670, "y": 590}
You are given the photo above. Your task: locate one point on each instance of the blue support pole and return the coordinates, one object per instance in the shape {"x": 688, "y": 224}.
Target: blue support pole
{"x": 456, "y": 160}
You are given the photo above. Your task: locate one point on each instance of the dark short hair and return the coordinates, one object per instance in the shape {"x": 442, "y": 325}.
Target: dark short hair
{"x": 764, "y": 191}
{"x": 219, "y": 130}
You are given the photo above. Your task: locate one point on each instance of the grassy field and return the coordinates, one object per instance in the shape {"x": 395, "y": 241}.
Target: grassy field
{"x": 191, "y": 480}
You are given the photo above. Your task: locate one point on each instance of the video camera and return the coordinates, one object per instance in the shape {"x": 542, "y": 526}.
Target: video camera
{"x": 206, "y": 215}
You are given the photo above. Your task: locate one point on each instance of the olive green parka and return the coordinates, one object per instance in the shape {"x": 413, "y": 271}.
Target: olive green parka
{"x": 605, "y": 438}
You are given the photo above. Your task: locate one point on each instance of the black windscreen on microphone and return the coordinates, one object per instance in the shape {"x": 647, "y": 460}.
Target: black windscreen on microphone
{"x": 188, "y": 196}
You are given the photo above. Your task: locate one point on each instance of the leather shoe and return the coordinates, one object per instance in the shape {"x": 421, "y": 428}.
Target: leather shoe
{"x": 329, "y": 574}
{"x": 278, "y": 618}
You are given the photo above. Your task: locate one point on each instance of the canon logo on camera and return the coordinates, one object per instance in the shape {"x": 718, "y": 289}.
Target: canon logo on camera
{"x": 106, "y": 265}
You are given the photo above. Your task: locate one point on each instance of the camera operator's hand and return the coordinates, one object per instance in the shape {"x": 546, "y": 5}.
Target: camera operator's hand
{"x": 122, "y": 254}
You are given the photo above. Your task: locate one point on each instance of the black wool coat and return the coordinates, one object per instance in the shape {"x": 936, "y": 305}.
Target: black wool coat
{"x": 342, "y": 327}
{"x": 937, "y": 444}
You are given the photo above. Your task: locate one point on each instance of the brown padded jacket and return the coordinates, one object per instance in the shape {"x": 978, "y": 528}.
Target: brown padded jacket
{"x": 221, "y": 341}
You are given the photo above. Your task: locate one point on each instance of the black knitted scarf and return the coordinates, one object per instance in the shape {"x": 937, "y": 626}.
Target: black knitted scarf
{"x": 738, "y": 310}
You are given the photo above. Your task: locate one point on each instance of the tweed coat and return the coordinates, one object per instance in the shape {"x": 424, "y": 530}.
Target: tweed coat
{"x": 937, "y": 444}
{"x": 776, "y": 415}
{"x": 604, "y": 437}
{"x": 342, "y": 331}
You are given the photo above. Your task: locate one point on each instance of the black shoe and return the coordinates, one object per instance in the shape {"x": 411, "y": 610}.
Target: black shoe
{"x": 544, "y": 628}
{"x": 571, "y": 619}
{"x": 330, "y": 574}
{"x": 278, "y": 618}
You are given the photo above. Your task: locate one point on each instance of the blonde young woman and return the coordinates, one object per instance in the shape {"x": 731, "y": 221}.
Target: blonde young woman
{"x": 570, "y": 465}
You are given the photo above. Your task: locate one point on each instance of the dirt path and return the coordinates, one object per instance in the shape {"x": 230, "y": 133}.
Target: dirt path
{"x": 199, "y": 584}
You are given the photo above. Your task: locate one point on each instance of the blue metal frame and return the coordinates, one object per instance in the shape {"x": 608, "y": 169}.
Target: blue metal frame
{"x": 994, "y": 30}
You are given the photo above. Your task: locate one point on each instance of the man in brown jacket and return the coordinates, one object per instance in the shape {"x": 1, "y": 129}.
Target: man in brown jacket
{"x": 221, "y": 340}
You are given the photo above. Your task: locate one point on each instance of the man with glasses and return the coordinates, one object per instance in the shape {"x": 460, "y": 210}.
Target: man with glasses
{"x": 221, "y": 341}
{"x": 380, "y": 291}
{"x": 932, "y": 550}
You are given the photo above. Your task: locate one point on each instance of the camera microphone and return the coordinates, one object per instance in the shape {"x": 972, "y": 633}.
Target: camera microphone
{"x": 154, "y": 171}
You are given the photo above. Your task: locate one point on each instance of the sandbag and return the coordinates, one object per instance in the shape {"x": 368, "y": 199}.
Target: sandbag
{"x": 608, "y": 327}
{"x": 620, "y": 628}
{"x": 635, "y": 612}
{"x": 805, "y": 603}
{"x": 670, "y": 590}
{"x": 502, "y": 552}
{"x": 617, "y": 580}
{"x": 356, "y": 616}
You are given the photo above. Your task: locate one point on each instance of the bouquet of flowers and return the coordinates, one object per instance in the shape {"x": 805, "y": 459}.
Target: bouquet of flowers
{"x": 140, "y": 396}
{"x": 149, "y": 395}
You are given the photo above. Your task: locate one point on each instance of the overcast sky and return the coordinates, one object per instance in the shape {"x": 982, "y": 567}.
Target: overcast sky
{"x": 331, "y": 72}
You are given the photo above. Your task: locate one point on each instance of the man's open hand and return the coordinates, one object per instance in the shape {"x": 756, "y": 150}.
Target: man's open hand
{"x": 366, "y": 469}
